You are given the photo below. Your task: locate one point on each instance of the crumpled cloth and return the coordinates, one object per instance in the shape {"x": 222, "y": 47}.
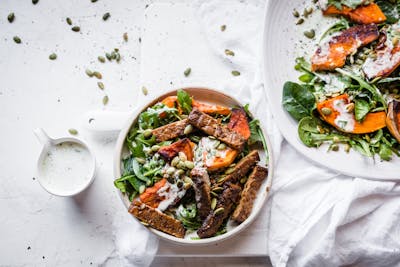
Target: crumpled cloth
{"x": 316, "y": 217}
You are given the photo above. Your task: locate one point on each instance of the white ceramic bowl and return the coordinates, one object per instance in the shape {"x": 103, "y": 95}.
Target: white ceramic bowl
{"x": 280, "y": 46}
{"x": 203, "y": 95}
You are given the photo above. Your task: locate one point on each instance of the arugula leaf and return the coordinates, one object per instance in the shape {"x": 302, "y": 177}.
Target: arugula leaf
{"x": 390, "y": 9}
{"x": 340, "y": 25}
{"x": 385, "y": 152}
{"x": 151, "y": 118}
{"x": 297, "y": 100}
{"x": 185, "y": 101}
{"x": 256, "y": 135}
{"x": 188, "y": 216}
{"x": 361, "y": 109}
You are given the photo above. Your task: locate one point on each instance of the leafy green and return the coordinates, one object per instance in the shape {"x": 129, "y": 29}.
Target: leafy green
{"x": 185, "y": 101}
{"x": 151, "y": 118}
{"x": 340, "y": 25}
{"x": 361, "y": 109}
{"x": 256, "y": 135}
{"x": 297, "y": 100}
{"x": 385, "y": 152}
{"x": 391, "y": 9}
{"x": 188, "y": 216}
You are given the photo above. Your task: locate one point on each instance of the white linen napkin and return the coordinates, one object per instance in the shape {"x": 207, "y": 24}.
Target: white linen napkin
{"x": 318, "y": 217}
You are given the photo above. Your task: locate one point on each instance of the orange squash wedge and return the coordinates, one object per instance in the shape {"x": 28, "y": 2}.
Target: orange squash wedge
{"x": 333, "y": 109}
{"x": 363, "y": 14}
{"x": 216, "y": 158}
{"x": 150, "y": 196}
{"x": 172, "y": 150}
{"x": 172, "y": 101}
{"x": 238, "y": 123}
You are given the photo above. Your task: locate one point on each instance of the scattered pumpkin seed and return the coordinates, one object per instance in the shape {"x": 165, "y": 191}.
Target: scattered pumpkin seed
{"x": 217, "y": 189}
{"x": 93, "y": 1}
{"x": 108, "y": 56}
{"x": 219, "y": 211}
{"x": 221, "y": 146}
{"x": 179, "y": 172}
{"x": 73, "y": 131}
{"x": 296, "y": 13}
{"x": 230, "y": 170}
{"x": 214, "y": 194}
{"x": 188, "y": 129}
{"x": 223, "y": 28}
{"x": 243, "y": 180}
{"x": 155, "y": 148}
{"x": 309, "y": 34}
{"x": 170, "y": 170}
{"x": 187, "y": 179}
{"x": 100, "y": 85}
{"x": 142, "y": 188}
{"x": 106, "y": 16}
{"x": 89, "y": 73}
{"x": 144, "y": 90}
{"x": 69, "y": 21}
{"x": 175, "y": 161}
{"x": 300, "y": 21}
{"x": 147, "y": 133}
{"x": 76, "y": 28}
{"x": 350, "y": 107}
{"x": 326, "y": 111}
{"x": 97, "y": 75}
{"x": 141, "y": 160}
{"x": 11, "y": 17}
{"x": 213, "y": 203}
{"x": 35, "y": 2}
{"x": 105, "y": 100}
{"x": 187, "y": 72}
{"x": 125, "y": 36}
{"x": 335, "y": 147}
{"x": 17, "y": 39}
{"x": 182, "y": 156}
{"x": 235, "y": 73}
{"x": 229, "y": 52}
{"x": 53, "y": 56}
{"x": 347, "y": 148}
{"x": 181, "y": 165}
{"x": 101, "y": 59}
{"x": 189, "y": 164}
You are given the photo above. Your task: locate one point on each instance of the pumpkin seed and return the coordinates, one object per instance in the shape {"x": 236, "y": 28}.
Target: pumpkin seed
{"x": 188, "y": 129}
{"x": 89, "y": 73}
{"x": 35, "y": 2}
{"x": 214, "y": 194}
{"x": 142, "y": 188}
{"x": 11, "y": 17}
{"x": 223, "y": 28}
{"x": 179, "y": 184}
{"x": 229, "y": 52}
{"x": 100, "y": 85}
{"x": 175, "y": 161}
{"x": 335, "y": 147}
{"x": 186, "y": 186}
{"x": 219, "y": 211}
{"x": 182, "y": 156}
{"x": 221, "y": 146}
{"x": 105, "y": 100}
{"x": 336, "y": 139}
{"x": 213, "y": 203}
{"x": 347, "y": 148}
{"x": 73, "y": 131}
{"x": 108, "y": 56}
{"x": 53, "y": 56}
{"x": 189, "y": 164}
{"x": 144, "y": 90}
{"x": 17, "y": 39}
{"x": 217, "y": 189}
{"x": 125, "y": 36}
{"x": 76, "y": 28}
{"x": 106, "y": 16}
{"x": 350, "y": 107}
{"x": 296, "y": 13}
{"x": 300, "y": 21}
{"x": 155, "y": 148}
{"x": 230, "y": 170}
{"x": 309, "y": 34}
{"x": 235, "y": 73}
{"x": 179, "y": 172}
{"x": 243, "y": 180}
{"x": 97, "y": 75}
{"x": 101, "y": 59}
{"x": 69, "y": 21}
{"x": 181, "y": 165}
{"x": 140, "y": 160}
{"x": 147, "y": 133}
{"x": 187, "y": 180}
{"x": 170, "y": 170}
{"x": 187, "y": 72}
{"x": 93, "y": 1}
{"x": 326, "y": 111}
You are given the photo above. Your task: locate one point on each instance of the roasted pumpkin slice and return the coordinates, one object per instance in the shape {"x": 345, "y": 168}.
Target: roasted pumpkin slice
{"x": 393, "y": 119}
{"x": 332, "y": 54}
{"x": 172, "y": 150}
{"x": 336, "y": 112}
{"x": 385, "y": 60}
{"x": 238, "y": 122}
{"x": 150, "y": 195}
{"x": 214, "y": 155}
{"x": 172, "y": 101}
{"x": 363, "y": 14}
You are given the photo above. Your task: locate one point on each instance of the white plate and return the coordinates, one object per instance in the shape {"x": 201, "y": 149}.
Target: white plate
{"x": 280, "y": 50}
{"x": 213, "y": 97}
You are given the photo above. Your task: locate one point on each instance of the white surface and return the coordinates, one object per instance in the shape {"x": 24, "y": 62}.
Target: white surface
{"x": 280, "y": 51}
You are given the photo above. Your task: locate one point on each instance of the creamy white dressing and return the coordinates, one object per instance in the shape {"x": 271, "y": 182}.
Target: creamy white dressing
{"x": 345, "y": 120}
{"x": 323, "y": 4}
{"x": 170, "y": 192}
{"x": 66, "y": 168}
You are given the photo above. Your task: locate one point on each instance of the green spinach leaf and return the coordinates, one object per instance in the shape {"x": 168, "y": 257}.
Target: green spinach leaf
{"x": 297, "y": 100}
{"x": 361, "y": 109}
{"x": 185, "y": 101}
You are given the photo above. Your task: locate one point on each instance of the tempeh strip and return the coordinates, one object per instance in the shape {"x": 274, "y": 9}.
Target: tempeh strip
{"x": 170, "y": 131}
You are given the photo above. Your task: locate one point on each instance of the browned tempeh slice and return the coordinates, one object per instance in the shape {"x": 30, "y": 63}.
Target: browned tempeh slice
{"x": 229, "y": 197}
{"x": 249, "y": 194}
{"x": 211, "y": 126}
{"x": 157, "y": 219}
{"x": 202, "y": 190}
{"x": 242, "y": 167}
{"x": 170, "y": 131}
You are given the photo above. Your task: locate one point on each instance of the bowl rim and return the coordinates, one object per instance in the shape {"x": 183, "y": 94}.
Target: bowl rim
{"x": 117, "y": 170}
